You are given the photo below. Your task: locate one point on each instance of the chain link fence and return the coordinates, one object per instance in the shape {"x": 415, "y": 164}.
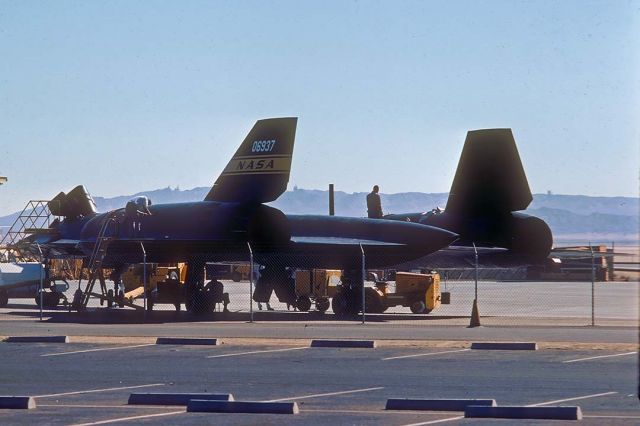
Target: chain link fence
{"x": 258, "y": 285}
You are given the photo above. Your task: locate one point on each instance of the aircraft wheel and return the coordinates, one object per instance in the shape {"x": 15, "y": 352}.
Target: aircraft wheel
{"x": 110, "y": 299}
{"x": 4, "y": 298}
{"x": 177, "y": 306}
{"x": 50, "y": 299}
{"x": 303, "y": 303}
{"x": 418, "y": 307}
{"x": 236, "y": 276}
{"x": 340, "y": 304}
{"x": 173, "y": 275}
{"x": 322, "y": 305}
{"x": 121, "y": 298}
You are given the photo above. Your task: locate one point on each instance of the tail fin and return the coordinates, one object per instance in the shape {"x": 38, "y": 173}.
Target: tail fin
{"x": 490, "y": 178}
{"x": 259, "y": 170}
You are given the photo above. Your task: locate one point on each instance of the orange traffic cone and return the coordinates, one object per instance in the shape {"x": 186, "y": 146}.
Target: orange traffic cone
{"x": 475, "y": 315}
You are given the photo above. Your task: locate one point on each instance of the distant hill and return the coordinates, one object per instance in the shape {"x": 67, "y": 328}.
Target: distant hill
{"x": 575, "y": 217}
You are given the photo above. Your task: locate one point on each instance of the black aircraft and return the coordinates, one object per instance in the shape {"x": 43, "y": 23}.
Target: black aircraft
{"x": 231, "y": 217}
{"x": 488, "y": 190}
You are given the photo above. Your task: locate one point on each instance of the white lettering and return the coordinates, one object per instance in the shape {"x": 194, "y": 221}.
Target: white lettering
{"x": 263, "y": 146}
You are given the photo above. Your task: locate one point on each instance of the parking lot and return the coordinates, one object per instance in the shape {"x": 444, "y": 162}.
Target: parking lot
{"x": 78, "y": 383}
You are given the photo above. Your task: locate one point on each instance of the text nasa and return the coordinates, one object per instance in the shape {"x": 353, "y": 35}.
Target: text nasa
{"x": 258, "y": 146}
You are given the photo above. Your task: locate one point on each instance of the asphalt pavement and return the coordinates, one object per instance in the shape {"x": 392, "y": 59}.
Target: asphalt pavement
{"x": 90, "y": 384}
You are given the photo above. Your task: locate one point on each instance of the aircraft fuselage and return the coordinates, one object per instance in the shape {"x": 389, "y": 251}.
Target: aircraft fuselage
{"x": 219, "y": 231}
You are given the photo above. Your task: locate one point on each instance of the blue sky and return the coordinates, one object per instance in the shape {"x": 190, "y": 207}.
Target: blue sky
{"x": 128, "y": 96}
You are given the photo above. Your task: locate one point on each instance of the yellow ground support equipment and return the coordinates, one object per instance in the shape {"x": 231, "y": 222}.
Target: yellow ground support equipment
{"x": 420, "y": 292}
{"x": 164, "y": 283}
{"x": 317, "y": 285}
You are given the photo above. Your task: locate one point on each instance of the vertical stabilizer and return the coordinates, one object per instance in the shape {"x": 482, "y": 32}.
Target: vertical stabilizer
{"x": 490, "y": 178}
{"x": 259, "y": 170}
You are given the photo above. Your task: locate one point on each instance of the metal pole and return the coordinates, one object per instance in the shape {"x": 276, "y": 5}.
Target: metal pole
{"x": 332, "y": 210}
{"x": 593, "y": 285}
{"x": 250, "y": 282}
{"x": 363, "y": 278}
{"x": 41, "y": 279}
{"x": 144, "y": 277}
{"x": 475, "y": 250}
{"x": 611, "y": 262}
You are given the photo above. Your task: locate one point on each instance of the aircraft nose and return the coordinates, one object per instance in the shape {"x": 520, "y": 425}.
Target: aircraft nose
{"x": 436, "y": 238}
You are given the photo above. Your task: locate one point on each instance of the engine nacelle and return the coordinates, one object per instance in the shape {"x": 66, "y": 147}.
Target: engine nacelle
{"x": 268, "y": 226}
{"x": 530, "y": 236}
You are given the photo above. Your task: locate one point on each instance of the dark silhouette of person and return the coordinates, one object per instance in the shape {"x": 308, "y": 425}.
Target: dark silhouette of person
{"x": 134, "y": 211}
{"x": 374, "y": 207}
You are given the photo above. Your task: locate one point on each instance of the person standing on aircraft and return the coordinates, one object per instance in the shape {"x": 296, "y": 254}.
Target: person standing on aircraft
{"x": 135, "y": 209}
{"x": 374, "y": 207}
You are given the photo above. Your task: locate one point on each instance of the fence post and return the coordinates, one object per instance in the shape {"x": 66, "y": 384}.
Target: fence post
{"x": 41, "y": 279}
{"x": 593, "y": 285}
{"x": 475, "y": 314}
{"x": 250, "y": 282}
{"x": 144, "y": 278}
{"x": 363, "y": 279}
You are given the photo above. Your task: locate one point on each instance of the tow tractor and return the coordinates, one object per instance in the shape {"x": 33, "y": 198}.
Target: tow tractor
{"x": 419, "y": 292}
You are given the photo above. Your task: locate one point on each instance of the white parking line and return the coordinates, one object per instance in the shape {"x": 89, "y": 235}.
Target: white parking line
{"x": 383, "y": 412}
{"x": 257, "y": 352}
{"x": 295, "y": 398}
{"x": 433, "y": 422}
{"x": 427, "y": 354}
{"x": 99, "y": 390}
{"x": 611, "y": 417}
{"x": 99, "y": 349}
{"x": 595, "y": 395}
{"x": 599, "y": 357}
{"x": 126, "y": 419}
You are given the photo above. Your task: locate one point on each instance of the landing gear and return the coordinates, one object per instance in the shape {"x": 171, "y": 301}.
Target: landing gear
{"x": 278, "y": 279}
{"x": 348, "y": 301}
{"x": 196, "y": 300}
{"x": 201, "y": 298}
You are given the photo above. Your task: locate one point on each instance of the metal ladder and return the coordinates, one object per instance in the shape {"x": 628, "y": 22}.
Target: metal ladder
{"x": 80, "y": 300}
{"x": 35, "y": 217}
